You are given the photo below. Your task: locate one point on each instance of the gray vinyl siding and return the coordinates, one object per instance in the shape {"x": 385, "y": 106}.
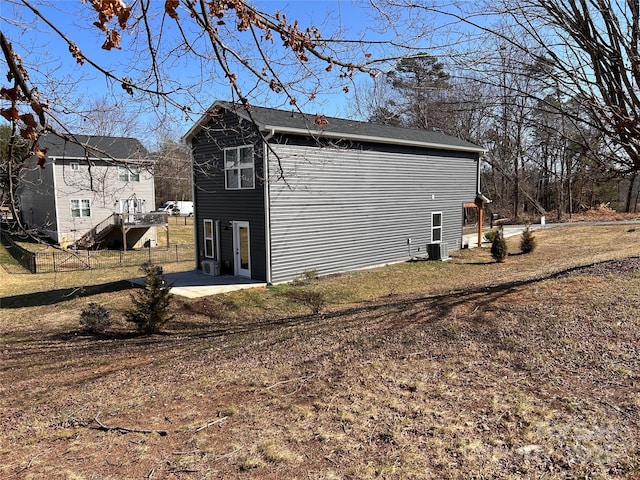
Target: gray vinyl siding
{"x": 214, "y": 202}
{"x": 342, "y": 209}
{"x": 37, "y": 199}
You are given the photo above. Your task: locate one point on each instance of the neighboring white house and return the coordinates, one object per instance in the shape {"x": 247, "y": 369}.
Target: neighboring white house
{"x": 95, "y": 191}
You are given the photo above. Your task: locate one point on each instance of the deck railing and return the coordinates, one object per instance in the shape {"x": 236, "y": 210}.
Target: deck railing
{"x": 118, "y": 220}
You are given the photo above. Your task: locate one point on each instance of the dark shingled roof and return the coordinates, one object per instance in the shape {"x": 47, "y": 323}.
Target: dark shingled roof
{"x": 119, "y": 148}
{"x": 294, "y": 122}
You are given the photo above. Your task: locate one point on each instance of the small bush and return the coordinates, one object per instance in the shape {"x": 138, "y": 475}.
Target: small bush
{"x": 527, "y": 241}
{"x": 306, "y": 277}
{"x": 310, "y": 275}
{"x": 499, "y": 250}
{"x": 95, "y": 318}
{"x": 490, "y": 235}
{"x": 313, "y": 299}
{"x": 151, "y": 306}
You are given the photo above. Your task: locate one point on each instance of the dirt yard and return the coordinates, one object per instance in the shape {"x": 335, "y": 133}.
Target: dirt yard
{"x": 427, "y": 370}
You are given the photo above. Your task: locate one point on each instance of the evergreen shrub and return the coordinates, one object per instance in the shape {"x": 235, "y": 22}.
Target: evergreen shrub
{"x": 499, "y": 249}
{"x": 151, "y": 306}
{"x": 527, "y": 241}
{"x": 95, "y": 318}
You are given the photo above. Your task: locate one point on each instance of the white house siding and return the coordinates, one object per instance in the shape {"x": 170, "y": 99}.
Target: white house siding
{"x": 102, "y": 186}
{"x": 345, "y": 209}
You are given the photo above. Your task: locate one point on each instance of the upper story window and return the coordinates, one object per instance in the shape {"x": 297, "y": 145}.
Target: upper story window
{"x": 81, "y": 208}
{"x": 129, "y": 173}
{"x": 239, "y": 168}
{"x": 75, "y": 166}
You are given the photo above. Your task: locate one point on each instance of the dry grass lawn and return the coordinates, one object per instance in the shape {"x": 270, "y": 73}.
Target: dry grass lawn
{"x": 460, "y": 369}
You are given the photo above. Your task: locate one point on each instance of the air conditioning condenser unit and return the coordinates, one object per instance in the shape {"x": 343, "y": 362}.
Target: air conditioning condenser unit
{"x": 211, "y": 267}
{"x": 438, "y": 251}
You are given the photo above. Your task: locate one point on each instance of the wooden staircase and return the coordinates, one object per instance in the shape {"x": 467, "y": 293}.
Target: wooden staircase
{"x": 99, "y": 232}
{"x": 123, "y": 222}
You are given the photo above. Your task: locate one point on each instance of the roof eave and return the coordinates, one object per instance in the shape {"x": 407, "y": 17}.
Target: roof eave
{"x": 372, "y": 139}
{"x": 141, "y": 161}
{"x": 320, "y": 133}
{"x": 199, "y": 125}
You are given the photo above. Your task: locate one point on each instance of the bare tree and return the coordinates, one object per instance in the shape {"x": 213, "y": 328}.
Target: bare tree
{"x": 105, "y": 117}
{"x": 589, "y": 52}
{"x": 172, "y": 172}
{"x": 175, "y": 52}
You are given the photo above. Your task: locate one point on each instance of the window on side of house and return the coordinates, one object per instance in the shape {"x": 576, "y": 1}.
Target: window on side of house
{"x": 239, "y": 168}
{"x": 75, "y": 166}
{"x": 129, "y": 173}
{"x": 209, "y": 239}
{"x": 436, "y": 227}
{"x": 81, "y": 208}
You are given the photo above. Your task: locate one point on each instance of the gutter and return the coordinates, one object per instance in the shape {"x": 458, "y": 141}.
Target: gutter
{"x": 195, "y": 210}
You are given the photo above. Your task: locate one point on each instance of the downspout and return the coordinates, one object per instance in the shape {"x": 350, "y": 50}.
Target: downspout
{"x": 478, "y": 191}
{"x": 480, "y": 203}
{"x": 267, "y": 203}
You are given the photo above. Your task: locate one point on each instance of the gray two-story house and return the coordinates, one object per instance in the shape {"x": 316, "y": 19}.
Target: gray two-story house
{"x": 92, "y": 191}
{"x": 278, "y": 193}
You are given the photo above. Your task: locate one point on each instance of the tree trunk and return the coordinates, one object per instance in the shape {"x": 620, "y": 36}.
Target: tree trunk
{"x": 632, "y": 182}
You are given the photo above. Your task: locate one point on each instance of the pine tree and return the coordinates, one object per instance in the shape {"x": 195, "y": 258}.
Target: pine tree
{"x": 151, "y": 305}
{"x": 528, "y": 241}
{"x": 499, "y": 249}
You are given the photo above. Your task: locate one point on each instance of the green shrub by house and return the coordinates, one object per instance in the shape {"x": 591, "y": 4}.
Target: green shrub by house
{"x": 527, "y": 241}
{"x": 499, "y": 250}
{"x": 151, "y": 306}
{"x": 95, "y": 318}
{"x": 490, "y": 235}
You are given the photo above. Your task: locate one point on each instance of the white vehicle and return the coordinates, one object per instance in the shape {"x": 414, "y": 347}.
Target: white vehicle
{"x": 176, "y": 207}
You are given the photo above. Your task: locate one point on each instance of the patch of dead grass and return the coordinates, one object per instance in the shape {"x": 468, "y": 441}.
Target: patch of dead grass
{"x": 451, "y": 370}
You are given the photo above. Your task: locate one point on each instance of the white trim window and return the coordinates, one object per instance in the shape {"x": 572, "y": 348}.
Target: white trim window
{"x": 239, "y": 168}
{"x": 209, "y": 239}
{"x": 80, "y": 208}
{"x": 436, "y": 227}
{"x": 74, "y": 166}
{"x": 129, "y": 173}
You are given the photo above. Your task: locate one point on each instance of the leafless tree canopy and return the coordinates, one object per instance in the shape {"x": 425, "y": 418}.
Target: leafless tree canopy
{"x": 573, "y": 62}
{"x": 549, "y": 87}
{"x": 177, "y": 54}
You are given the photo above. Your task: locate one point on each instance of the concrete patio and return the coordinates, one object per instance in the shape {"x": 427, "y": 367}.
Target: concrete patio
{"x": 194, "y": 284}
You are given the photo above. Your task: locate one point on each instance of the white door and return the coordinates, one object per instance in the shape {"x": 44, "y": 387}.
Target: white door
{"x": 130, "y": 206}
{"x": 242, "y": 262}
